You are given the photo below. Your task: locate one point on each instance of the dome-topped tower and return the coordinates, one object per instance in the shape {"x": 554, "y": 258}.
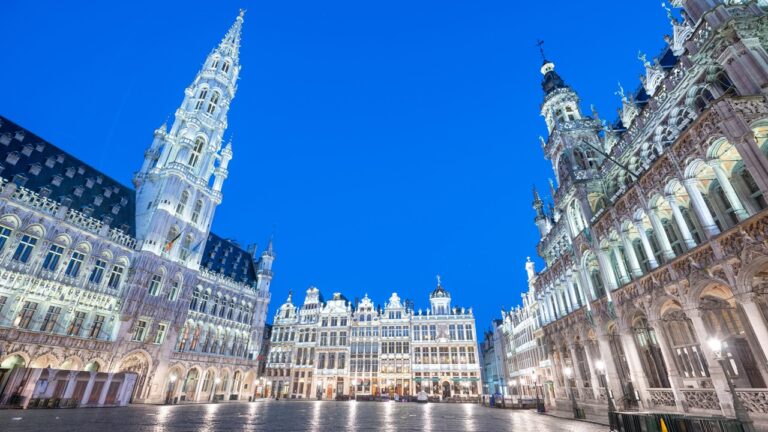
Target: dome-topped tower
{"x": 440, "y": 299}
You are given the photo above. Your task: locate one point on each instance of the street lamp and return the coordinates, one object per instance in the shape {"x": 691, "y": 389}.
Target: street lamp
{"x": 213, "y": 390}
{"x": 600, "y": 365}
{"x": 716, "y": 345}
{"x": 568, "y": 374}
{"x": 539, "y": 405}
{"x": 171, "y": 386}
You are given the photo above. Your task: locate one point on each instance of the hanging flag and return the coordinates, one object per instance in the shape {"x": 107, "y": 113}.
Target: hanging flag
{"x": 169, "y": 245}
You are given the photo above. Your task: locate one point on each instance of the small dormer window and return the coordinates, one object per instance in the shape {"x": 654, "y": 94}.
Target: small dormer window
{"x": 12, "y": 158}
{"x": 35, "y": 169}
{"x": 50, "y": 162}
{"x": 78, "y": 191}
{"x": 56, "y": 180}
{"x": 5, "y": 139}
{"x": 89, "y": 183}
{"x": 70, "y": 172}
{"x": 27, "y": 150}
{"x": 40, "y": 147}
{"x": 97, "y": 200}
{"x": 19, "y": 135}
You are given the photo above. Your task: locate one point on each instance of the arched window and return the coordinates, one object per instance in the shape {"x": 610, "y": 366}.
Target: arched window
{"x": 225, "y": 67}
{"x": 686, "y": 350}
{"x": 155, "y": 283}
{"x": 202, "y": 95}
{"x": 182, "y": 203}
{"x": 650, "y": 354}
{"x": 213, "y": 102}
{"x": 197, "y": 149}
{"x": 215, "y": 64}
{"x": 204, "y": 301}
{"x": 196, "y": 210}
{"x": 195, "y": 299}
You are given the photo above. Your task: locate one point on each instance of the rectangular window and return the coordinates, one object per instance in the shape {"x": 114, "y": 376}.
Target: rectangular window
{"x": 26, "y": 314}
{"x": 154, "y": 285}
{"x": 98, "y": 322}
{"x": 452, "y": 331}
{"x": 3, "y": 301}
{"x": 98, "y": 271}
{"x": 469, "y": 332}
{"x": 432, "y": 332}
{"x": 461, "y": 332}
{"x": 52, "y": 258}
{"x": 73, "y": 267}
{"x": 115, "y": 277}
{"x": 160, "y": 335}
{"x": 76, "y": 325}
{"x": 24, "y": 249}
{"x": 5, "y": 234}
{"x": 416, "y": 334}
{"x": 140, "y": 331}
{"x": 343, "y": 338}
{"x": 49, "y": 322}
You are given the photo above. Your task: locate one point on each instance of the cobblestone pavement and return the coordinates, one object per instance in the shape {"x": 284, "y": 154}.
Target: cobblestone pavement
{"x": 268, "y": 415}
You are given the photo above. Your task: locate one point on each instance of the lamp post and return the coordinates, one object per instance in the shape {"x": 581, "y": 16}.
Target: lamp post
{"x": 600, "y": 366}
{"x": 539, "y": 405}
{"x": 716, "y": 345}
{"x": 213, "y": 390}
{"x": 568, "y": 373}
{"x": 171, "y": 386}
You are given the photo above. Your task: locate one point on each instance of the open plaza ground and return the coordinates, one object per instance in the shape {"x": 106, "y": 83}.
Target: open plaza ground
{"x": 270, "y": 415}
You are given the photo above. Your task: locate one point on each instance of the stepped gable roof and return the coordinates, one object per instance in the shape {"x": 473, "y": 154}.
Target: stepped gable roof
{"x": 32, "y": 162}
{"x": 227, "y": 258}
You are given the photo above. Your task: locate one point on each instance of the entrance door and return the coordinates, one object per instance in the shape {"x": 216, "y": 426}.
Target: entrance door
{"x": 446, "y": 389}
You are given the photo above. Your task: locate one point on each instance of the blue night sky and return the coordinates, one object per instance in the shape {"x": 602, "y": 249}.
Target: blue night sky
{"x": 384, "y": 142}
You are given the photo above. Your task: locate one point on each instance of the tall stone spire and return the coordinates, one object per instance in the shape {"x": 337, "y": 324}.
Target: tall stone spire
{"x": 179, "y": 185}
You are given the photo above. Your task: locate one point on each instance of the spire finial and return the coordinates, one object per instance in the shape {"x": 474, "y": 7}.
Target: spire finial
{"x": 438, "y": 280}
{"x": 540, "y": 44}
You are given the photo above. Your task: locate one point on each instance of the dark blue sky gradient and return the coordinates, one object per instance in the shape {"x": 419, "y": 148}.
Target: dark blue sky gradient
{"x": 386, "y": 142}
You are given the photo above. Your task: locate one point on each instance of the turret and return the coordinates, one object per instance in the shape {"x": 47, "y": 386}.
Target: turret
{"x": 542, "y": 221}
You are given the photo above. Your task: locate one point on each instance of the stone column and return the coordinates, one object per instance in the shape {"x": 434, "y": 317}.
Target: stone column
{"x": 566, "y": 296}
{"x": 716, "y": 372}
{"x": 752, "y": 313}
{"x": 675, "y": 381}
{"x": 729, "y": 191}
{"x": 681, "y": 224}
{"x": 586, "y": 284}
{"x": 646, "y": 245}
{"x": 609, "y": 278}
{"x": 623, "y": 274}
{"x": 105, "y": 389}
{"x": 661, "y": 236}
{"x": 575, "y": 300}
{"x": 700, "y": 208}
{"x": 634, "y": 264}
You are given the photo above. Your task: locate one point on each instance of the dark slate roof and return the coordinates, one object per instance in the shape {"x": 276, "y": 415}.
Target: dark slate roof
{"x": 227, "y": 258}
{"x": 40, "y": 166}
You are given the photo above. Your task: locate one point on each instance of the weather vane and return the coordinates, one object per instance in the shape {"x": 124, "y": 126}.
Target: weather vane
{"x": 438, "y": 280}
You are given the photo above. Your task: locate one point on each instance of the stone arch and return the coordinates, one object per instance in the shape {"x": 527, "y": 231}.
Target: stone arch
{"x": 35, "y": 230}
{"x": 63, "y": 239}
{"x": 15, "y": 359}
{"x": 11, "y": 221}
{"x": 48, "y": 360}
{"x": 138, "y": 362}
{"x": 72, "y": 363}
